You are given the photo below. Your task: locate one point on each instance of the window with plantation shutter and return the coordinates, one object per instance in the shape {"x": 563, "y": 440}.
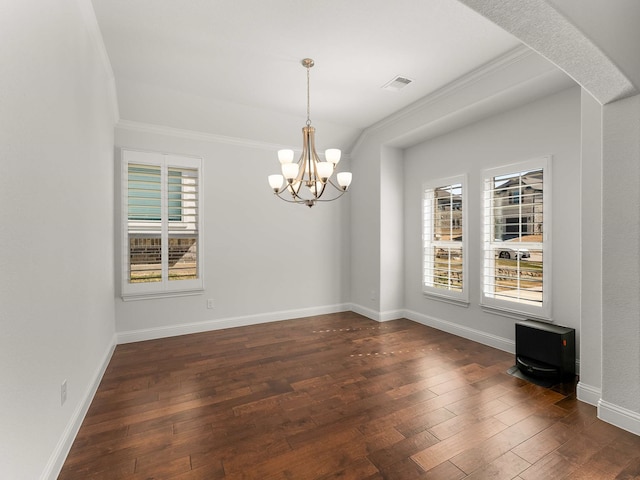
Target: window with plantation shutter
{"x": 161, "y": 212}
{"x": 444, "y": 241}
{"x": 517, "y": 202}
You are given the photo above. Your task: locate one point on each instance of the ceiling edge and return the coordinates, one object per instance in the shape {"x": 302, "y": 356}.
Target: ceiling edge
{"x": 91, "y": 24}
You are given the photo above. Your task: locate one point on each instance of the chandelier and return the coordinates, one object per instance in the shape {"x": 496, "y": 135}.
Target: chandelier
{"x": 306, "y": 181}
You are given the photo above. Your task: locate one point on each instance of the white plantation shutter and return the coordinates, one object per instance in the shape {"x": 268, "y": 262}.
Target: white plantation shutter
{"x": 444, "y": 243}
{"x": 183, "y": 224}
{"x": 144, "y": 217}
{"x": 161, "y": 225}
{"x": 516, "y": 220}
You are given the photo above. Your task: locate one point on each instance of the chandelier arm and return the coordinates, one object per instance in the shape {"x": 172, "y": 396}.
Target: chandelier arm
{"x": 314, "y": 156}
{"x": 302, "y": 200}
{"x": 305, "y": 155}
{"x": 294, "y": 192}
{"x": 342, "y": 192}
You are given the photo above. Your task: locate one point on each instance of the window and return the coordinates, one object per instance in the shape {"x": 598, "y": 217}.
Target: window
{"x": 161, "y": 214}
{"x": 516, "y": 219}
{"x": 444, "y": 246}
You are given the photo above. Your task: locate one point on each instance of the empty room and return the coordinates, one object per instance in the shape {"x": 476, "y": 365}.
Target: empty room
{"x": 320, "y": 239}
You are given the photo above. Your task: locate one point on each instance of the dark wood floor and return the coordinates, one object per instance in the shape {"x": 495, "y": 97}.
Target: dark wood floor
{"x": 336, "y": 397}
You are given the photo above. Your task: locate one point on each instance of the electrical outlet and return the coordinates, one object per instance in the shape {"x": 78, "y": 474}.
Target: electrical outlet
{"x": 210, "y": 303}
{"x": 373, "y": 294}
{"x": 63, "y": 393}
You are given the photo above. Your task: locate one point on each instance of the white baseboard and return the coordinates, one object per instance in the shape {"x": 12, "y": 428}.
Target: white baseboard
{"x": 59, "y": 455}
{"x": 218, "y": 324}
{"x": 465, "y": 332}
{"x": 391, "y": 315}
{"x": 588, "y": 394}
{"x": 366, "y": 312}
{"x": 620, "y": 417}
{"x": 375, "y": 315}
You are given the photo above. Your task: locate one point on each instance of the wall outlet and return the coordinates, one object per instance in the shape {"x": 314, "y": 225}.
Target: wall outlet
{"x": 373, "y": 294}
{"x": 210, "y": 303}
{"x": 63, "y": 393}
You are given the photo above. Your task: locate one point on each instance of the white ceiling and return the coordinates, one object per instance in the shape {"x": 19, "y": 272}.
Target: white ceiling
{"x": 232, "y": 67}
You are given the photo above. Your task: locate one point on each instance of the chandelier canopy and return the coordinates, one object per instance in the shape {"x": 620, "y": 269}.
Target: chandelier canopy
{"x": 309, "y": 171}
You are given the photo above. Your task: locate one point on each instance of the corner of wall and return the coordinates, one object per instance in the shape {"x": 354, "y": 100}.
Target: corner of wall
{"x": 588, "y": 393}
{"x": 91, "y": 23}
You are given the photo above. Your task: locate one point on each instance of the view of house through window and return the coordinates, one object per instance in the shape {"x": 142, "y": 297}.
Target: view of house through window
{"x": 443, "y": 265}
{"x": 514, "y": 237}
{"x": 162, "y": 224}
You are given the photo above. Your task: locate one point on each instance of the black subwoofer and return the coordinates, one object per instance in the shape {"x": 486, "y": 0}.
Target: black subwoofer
{"x": 546, "y": 351}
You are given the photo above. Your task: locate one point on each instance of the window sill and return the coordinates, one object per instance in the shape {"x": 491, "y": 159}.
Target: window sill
{"x": 132, "y": 297}
{"x": 514, "y": 314}
{"x": 445, "y": 299}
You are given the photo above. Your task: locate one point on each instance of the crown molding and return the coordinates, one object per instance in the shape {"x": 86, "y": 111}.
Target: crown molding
{"x": 154, "y": 129}
{"x": 142, "y": 127}
{"x": 91, "y": 23}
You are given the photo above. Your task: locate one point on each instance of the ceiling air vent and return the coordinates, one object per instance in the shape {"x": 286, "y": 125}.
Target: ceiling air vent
{"x": 397, "y": 83}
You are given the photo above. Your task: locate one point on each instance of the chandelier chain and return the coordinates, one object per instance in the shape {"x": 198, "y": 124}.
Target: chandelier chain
{"x": 308, "y": 101}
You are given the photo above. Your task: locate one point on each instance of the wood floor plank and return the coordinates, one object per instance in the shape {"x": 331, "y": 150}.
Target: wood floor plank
{"x": 458, "y": 443}
{"x": 506, "y": 466}
{"x": 336, "y": 397}
{"x": 550, "y": 467}
{"x": 402, "y": 449}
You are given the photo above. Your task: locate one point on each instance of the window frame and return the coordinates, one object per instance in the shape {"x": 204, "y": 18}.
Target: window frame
{"x": 489, "y": 245}
{"x": 164, "y": 287}
{"x": 428, "y": 242}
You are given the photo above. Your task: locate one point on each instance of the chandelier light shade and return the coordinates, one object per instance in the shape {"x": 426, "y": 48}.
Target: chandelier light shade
{"x": 305, "y": 182}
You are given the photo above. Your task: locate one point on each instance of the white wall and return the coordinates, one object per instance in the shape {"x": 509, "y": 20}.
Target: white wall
{"x": 590, "y": 386}
{"x": 550, "y": 126}
{"x": 365, "y": 231}
{"x": 620, "y": 403}
{"x": 56, "y": 184}
{"x": 391, "y": 233}
{"x": 264, "y": 259}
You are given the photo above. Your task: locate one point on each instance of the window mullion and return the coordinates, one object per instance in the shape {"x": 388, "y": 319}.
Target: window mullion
{"x": 428, "y": 244}
{"x": 164, "y": 231}
{"x": 489, "y": 277}
{"x": 520, "y": 207}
